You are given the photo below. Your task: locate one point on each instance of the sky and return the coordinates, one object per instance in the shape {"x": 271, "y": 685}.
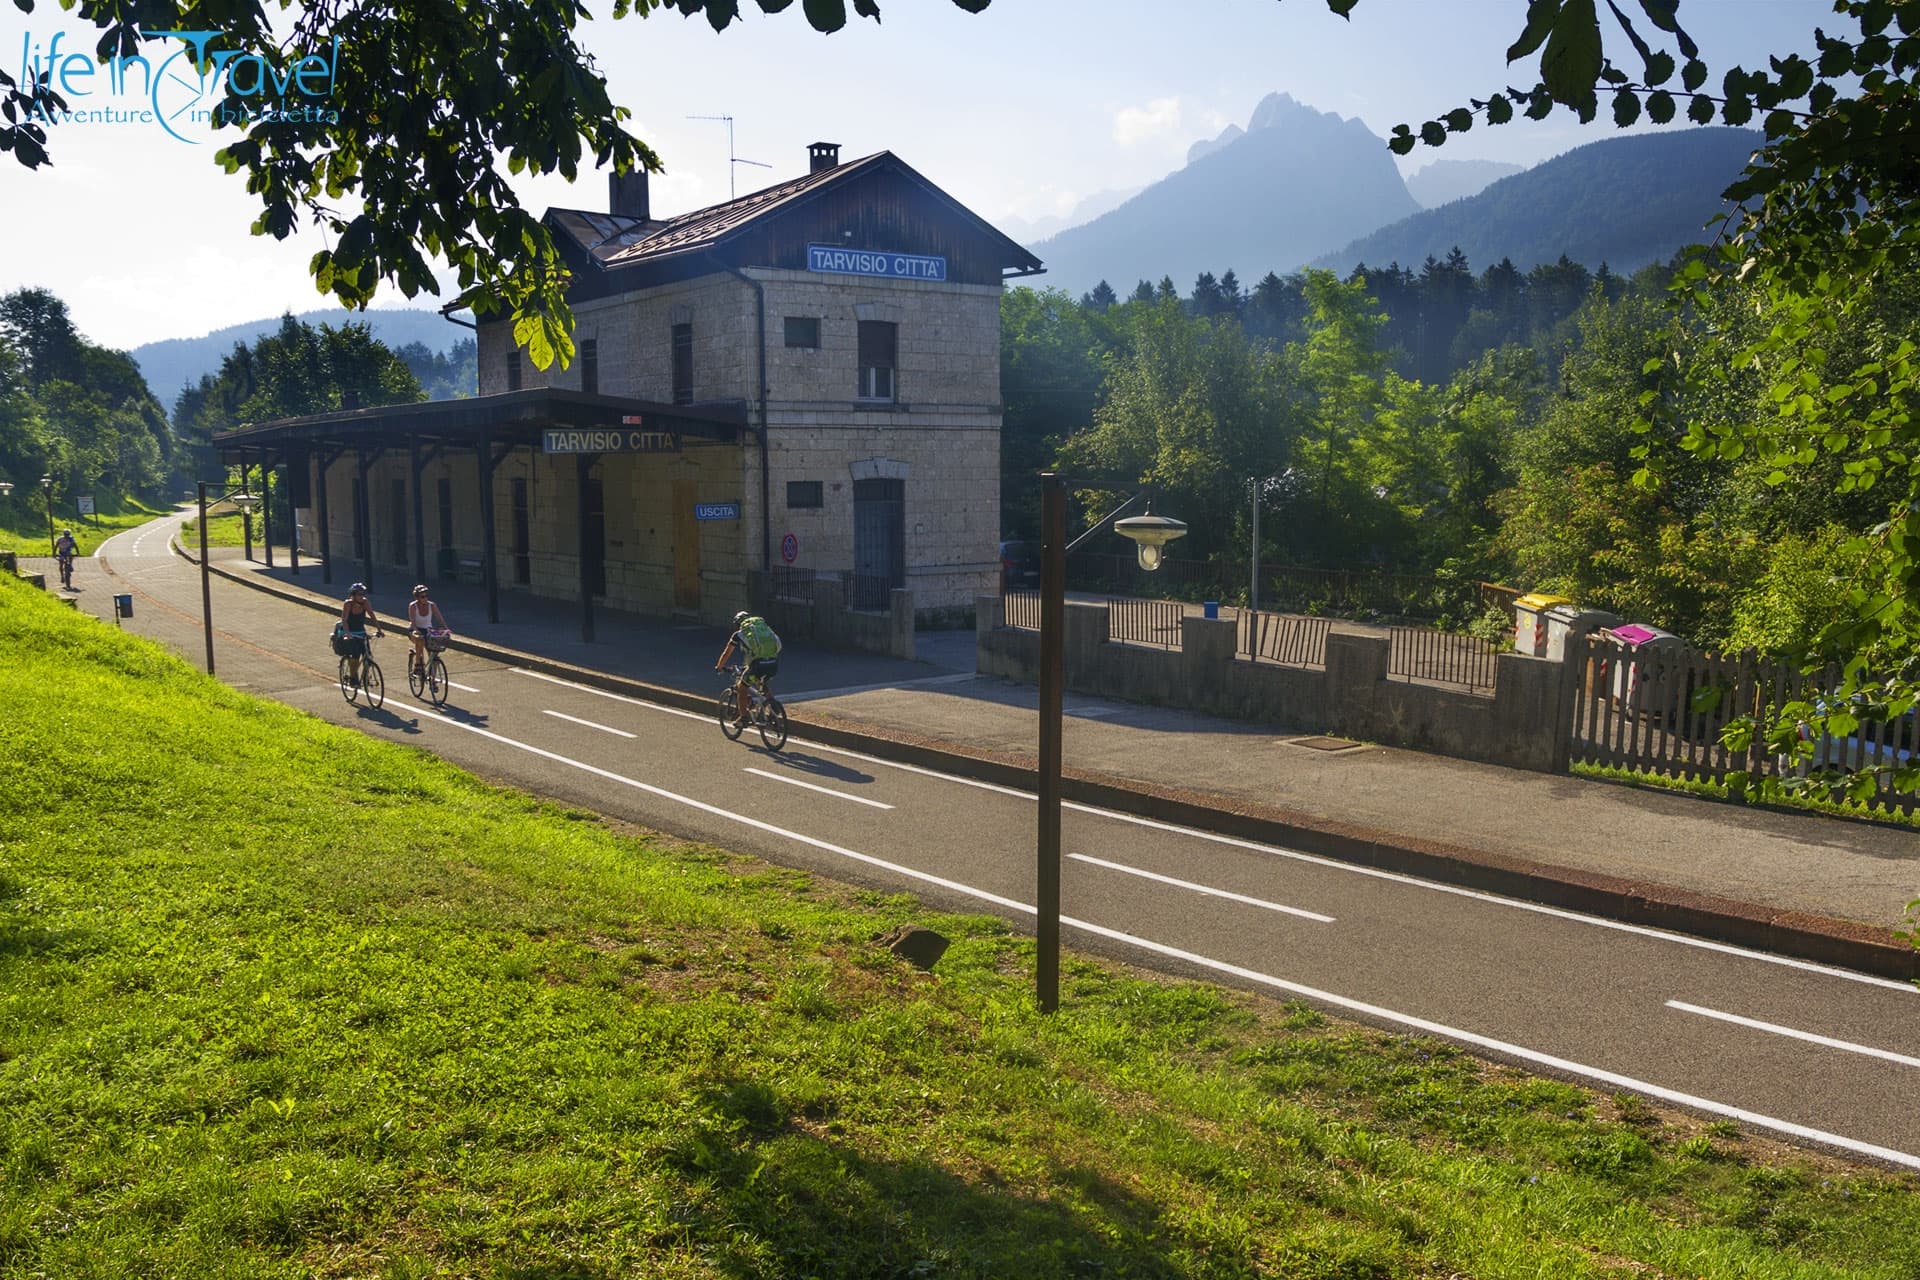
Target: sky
{"x": 1019, "y": 112}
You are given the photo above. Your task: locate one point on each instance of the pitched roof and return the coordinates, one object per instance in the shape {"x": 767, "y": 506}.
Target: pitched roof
{"x": 614, "y": 240}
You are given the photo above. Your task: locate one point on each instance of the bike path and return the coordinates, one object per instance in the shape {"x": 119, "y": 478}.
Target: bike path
{"x": 1822, "y": 888}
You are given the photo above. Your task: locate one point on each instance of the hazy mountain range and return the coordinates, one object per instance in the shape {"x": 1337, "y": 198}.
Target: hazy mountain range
{"x": 174, "y": 363}
{"x": 1300, "y": 187}
{"x": 1622, "y": 201}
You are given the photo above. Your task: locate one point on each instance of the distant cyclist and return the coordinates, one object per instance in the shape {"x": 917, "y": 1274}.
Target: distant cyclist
{"x": 753, "y": 637}
{"x": 356, "y": 615}
{"x": 423, "y": 615}
{"x": 64, "y": 549}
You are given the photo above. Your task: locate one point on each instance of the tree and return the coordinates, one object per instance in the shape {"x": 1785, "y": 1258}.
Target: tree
{"x": 460, "y": 85}
{"x": 1051, "y": 368}
{"x": 1101, "y": 298}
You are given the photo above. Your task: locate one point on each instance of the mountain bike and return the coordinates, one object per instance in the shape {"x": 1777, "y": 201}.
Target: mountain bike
{"x": 371, "y": 681}
{"x": 431, "y": 679}
{"x": 66, "y": 569}
{"x": 764, "y": 711}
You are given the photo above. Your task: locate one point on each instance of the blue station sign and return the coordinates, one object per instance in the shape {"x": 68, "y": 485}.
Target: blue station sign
{"x": 716, "y": 511}
{"x": 875, "y": 262}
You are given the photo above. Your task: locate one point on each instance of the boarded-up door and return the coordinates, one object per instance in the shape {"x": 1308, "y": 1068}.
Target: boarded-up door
{"x": 686, "y": 547}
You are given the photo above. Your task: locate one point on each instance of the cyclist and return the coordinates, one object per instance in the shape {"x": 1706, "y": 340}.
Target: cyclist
{"x": 63, "y": 550}
{"x": 423, "y": 615}
{"x": 356, "y": 615}
{"x": 755, "y": 640}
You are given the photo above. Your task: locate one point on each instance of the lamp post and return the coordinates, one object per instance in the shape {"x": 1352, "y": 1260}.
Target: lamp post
{"x": 46, "y": 483}
{"x": 1259, "y": 487}
{"x": 246, "y": 502}
{"x": 1151, "y": 533}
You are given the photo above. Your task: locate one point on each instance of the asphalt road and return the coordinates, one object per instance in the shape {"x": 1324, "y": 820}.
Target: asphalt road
{"x": 1821, "y": 1055}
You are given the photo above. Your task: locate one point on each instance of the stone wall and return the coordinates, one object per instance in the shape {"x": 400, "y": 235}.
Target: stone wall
{"x": 1517, "y": 726}
{"x": 826, "y": 621}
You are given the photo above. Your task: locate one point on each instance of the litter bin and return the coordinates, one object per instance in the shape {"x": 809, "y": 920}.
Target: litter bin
{"x": 1210, "y": 609}
{"x": 1631, "y": 683}
{"x": 123, "y": 606}
{"x": 1530, "y": 622}
{"x": 1567, "y": 620}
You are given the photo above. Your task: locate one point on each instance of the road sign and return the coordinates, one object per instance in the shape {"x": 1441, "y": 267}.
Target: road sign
{"x": 716, "y": 511}
{"x": 789, "y": 548}
{"x": 85, "y": 503}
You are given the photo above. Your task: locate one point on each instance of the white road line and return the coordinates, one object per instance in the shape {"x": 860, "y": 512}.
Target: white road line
{"x": 464, "y": 688}
{"x": 817, "y": 694}
{"x": 811, "y": 786}
{"x": 1581, "y": 1070}
{"x": 740, "y": 818}
{"x": 1620, "y": 926}
{"x": 1778, "y": 1030}
{"x": 560, "y": 715}
{"x": 1201, "y": 888}
{"x": 602, "y": 693}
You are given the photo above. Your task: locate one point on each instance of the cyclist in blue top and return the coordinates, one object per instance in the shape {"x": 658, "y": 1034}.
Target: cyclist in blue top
{"x": 755, "y": 640}
{"x": 356, "y": 615}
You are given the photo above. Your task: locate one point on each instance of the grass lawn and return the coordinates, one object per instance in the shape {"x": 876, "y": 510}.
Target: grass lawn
{"x": 222, "y": 531}
{"x": 23, "y": 525}
{"x": 278, "y": 999}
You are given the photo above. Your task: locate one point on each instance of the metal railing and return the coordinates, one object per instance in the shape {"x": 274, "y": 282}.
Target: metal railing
{"x": 791, "y": 585}
{"x": 1441, "y": 657}
{"x": 1288, "y": 639}
{"x": 1155, "y": 622}
{"x": 1362, "y": 594}
{"x": 868, "y": 592}
{"x": 1022, "y": 609}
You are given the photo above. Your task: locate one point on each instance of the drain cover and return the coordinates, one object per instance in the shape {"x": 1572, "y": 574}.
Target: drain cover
{"x": 1325, "y": 744}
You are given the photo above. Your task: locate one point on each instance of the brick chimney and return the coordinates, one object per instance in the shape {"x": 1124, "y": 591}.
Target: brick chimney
{"x": 627, "y": 194}
{"x": 822, "y": 155}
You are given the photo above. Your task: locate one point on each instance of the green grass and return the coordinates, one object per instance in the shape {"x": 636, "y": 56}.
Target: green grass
{"x": 23, "y": 525}
{"x": 1765, "y": 792}
{"x": 279, "y": 999}
{"x": 222, "y": 531}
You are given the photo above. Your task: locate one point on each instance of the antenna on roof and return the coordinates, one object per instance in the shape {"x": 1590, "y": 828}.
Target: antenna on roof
{"x": 732, "y": 159}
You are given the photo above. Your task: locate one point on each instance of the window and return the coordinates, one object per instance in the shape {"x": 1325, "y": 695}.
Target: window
{"x": 513, "y": 370}
{"x": 877, "y": 345}
{"x": 804, "y": 493}
{"x": 590, "y": 365}
{"x": 803, "y": 331}
{"x": 683, "y": 364}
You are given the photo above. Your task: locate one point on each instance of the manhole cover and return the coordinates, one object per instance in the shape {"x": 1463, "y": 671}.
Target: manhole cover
{"x": 1326, "y": 744}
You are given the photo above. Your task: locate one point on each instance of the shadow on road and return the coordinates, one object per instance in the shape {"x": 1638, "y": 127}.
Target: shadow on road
{"x": 801, "y": 762}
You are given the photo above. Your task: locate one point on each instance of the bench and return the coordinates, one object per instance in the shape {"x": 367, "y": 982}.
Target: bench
{"x": 469, "y": 569}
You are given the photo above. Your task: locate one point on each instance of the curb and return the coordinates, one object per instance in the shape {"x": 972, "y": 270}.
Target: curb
{"x": 1844, "y": 944}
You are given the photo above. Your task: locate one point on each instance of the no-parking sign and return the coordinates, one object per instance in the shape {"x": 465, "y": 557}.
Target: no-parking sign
{"x": 789, "y": 548}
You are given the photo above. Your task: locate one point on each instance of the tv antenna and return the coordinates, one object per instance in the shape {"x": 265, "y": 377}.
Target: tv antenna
{"x": 732, "y": 159}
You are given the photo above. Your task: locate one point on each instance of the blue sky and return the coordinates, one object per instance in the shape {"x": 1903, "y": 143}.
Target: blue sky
{"x": 1019, "y": 112}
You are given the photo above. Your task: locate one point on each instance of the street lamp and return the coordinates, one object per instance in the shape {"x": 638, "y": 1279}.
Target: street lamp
{"x": 1259, "y": 488}
{"x": 6, "y": 488}
{"x": 1152, "y": 533}
{"x": 246, "y": 502}
{"x": 46, "y": 483}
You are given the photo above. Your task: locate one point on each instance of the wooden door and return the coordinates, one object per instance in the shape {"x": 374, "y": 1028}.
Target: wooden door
{"x": 686, "y": 547}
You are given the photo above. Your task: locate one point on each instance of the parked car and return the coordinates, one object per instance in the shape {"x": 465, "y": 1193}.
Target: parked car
{"x": 1019, "y": 565}
{"x": 1877, "y": 744}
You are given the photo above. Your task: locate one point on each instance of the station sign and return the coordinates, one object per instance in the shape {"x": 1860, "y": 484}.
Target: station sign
{"x": 875, "y": 262}
{"x": 608, "y": 440}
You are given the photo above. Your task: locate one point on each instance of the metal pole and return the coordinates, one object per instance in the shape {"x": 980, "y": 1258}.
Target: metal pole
{"x": 266, "y": 507}
{"x": 583, "y": 466}
{"x": 1253, "y": 587}
{"x": 1053, "y": 610}
{"x": 246, "y": 516}
{"x": 206, "y": 584}
{"x": 48, "y": 486}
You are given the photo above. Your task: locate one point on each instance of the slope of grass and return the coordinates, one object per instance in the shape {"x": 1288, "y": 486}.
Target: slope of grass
{"x": 23, "y": 524}
{"x": 278, "y": 999}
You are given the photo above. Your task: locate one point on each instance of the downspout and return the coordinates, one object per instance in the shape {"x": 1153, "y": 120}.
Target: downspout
{"x": 760, "y": 324}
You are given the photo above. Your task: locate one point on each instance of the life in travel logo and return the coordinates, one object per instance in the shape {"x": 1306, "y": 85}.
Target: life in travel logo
{"x": 185, "y": 90}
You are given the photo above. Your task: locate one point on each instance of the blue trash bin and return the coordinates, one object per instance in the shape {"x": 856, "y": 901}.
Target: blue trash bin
{"x": 1212, "y": 608}
{"x": 123, "y": 606}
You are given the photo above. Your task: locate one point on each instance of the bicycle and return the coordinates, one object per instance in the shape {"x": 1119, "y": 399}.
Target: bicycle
{"x": 66, "y": 569}
{"x": 764, "y": 711}
{"x": 432, "y": 679}
{"x": 371, "y": 681}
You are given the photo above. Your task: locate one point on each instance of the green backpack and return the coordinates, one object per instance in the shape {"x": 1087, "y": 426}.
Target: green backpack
{"x": 759, "y": 638}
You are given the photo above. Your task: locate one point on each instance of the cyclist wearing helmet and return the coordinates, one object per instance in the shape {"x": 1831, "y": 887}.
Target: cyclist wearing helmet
{"x": 356, "y": 615}
{"x": 755, "y": 640}
{"x": 63, "y": 551}
{"x": 423, "y": 615}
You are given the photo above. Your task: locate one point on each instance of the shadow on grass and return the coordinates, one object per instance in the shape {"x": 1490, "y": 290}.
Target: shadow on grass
{"x": 784, "y": 1201}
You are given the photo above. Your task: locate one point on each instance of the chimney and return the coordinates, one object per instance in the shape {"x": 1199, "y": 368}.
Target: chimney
{"x": 627, "y": 194}
{"x": 822, "y": 155}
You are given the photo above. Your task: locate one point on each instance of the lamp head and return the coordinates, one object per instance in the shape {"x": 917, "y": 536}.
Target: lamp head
{"x": 247, "y": 502}
{"x": 1151, "y": 534}
{"x": 46, "y": 482}
{"x": 6, "y": 488}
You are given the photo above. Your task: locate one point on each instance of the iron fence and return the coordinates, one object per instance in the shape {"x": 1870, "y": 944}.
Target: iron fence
{"x": 1442, "y": 657}
{"x": 1155, "y": 622}
{"x": 868, "y": 592}
{"x": 790, "y": 585}
{"x": 1288, "y": 639}
{"x": 1022, "y": 609}
{"x": 1360, "y": 594}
